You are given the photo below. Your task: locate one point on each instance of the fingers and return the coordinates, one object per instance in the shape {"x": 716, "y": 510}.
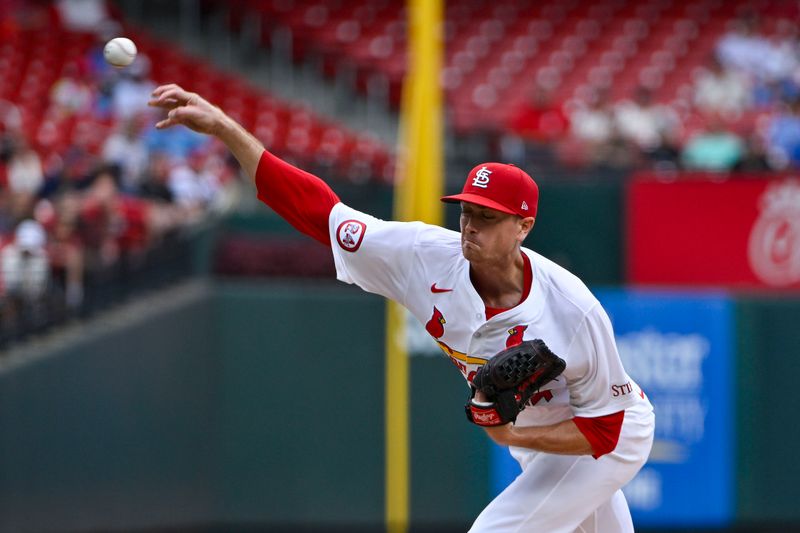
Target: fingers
{"x": 190, "y": 116}
{"x": 169, "y": 97}
{"x": 164, "y": 104}
{"x": 175, "y": 116}
{"x": 162, "y": 88}
{"x": 166, "y": 123}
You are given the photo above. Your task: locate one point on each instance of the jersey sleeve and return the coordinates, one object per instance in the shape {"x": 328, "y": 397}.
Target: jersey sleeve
{"x": 374, "y": 254}
{"x": 302, "y": 199}
{"x": 598, "y": 383}
{"x": 602, "y": 432}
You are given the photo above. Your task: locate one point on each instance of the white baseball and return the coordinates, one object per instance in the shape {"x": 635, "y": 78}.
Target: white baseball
{"x": 120, "y": 52}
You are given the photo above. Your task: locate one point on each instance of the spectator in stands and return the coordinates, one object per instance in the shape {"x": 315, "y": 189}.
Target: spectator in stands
{"x": 744, "y": 48}
{"x": 643, "y": 123}
{"x": 594, "y": 123}
{"x": 66, "y": 249}
{"x": 174, "y": 143}
{"x": 165, "y": 215}
{"x": 714, "y": 149}
{"x": 155, "y": 182}
{"x": 756, "y": 157}
{"x": 25, "y": 178}
{"x": 783, "y": 136}
{"x": 8, "y": 135}
{"x": 540, "y": 120}
{"x": 10, "y": 117}
{"x": 127, "y": 150}
{"x": 781, "y": 65}
{"x": 82, "y": 15}
{"x": 100, "y": 223}
{"x": 98, "y": 67}
{"x": 721, "y": 90}
{"x": 666, "y": 156}
{"x": 192, "y": 186}
{"x": 772, "y": 63}
{"x": 79, "y": 166}
{"x": 26, "y": 276}
{"x": 593, "y": 129}
{"x": 6, "y": 217}
{"x": 225, "y": 171}
{"x": 114, "y": 228}
{"x": 132, "y": 92}
{"x": 783, "y": 59}
{"x": 71, "y": 95}
{"x": 103, "y": 76}
{"x": 115, "y": 225}
{"x": 25, "y": 267}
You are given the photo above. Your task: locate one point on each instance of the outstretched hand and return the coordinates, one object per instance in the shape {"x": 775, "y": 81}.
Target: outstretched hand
{"x": 188, "y": 109}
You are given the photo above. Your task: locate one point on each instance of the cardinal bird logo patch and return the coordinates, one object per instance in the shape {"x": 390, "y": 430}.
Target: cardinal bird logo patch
{"x": 435, "y": 325}
{"x": 350, "y": 234}
{"x": 515, "y": 336}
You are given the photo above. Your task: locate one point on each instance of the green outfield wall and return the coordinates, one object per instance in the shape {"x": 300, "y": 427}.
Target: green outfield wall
{"x": 117, "y": 428}
{"x": 768, "y": 330}
{"x": 248, "y": 403}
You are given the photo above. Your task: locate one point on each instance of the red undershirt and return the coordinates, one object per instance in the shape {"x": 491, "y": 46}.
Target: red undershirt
{"x": 527, "y": 281}
{"x": 305, "y": 201}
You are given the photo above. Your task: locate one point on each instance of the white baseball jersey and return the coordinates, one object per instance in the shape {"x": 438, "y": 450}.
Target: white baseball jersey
{"x": 422, "y": 267}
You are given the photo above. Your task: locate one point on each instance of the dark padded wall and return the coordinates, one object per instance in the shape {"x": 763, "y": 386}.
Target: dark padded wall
{"x": 117, "y": 429}
{"x": 768, "y": 400}
{"x": 257, "y": 403}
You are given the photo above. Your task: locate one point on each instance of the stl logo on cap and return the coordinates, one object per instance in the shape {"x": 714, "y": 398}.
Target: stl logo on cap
{"x": 481, "y": 178}
{"x": 513, "y": 191}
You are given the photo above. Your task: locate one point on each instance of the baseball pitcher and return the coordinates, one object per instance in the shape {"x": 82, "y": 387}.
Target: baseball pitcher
{"x": 534, "y": 345}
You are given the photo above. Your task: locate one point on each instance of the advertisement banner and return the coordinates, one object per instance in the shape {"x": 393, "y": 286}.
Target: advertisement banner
{"x": 742, "y": 233}
{"x": 679, "y": 349}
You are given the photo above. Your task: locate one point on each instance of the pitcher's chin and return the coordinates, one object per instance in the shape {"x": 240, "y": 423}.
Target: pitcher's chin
{"x": 470, "y": 250}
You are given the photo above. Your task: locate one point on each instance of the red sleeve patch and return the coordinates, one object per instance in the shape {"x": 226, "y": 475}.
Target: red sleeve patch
{"x": 349, "y": 234}
{"x": 602, "y": 432}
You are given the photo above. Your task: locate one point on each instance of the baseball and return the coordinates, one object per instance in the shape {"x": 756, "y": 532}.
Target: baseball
{"x": 120, "y": 52}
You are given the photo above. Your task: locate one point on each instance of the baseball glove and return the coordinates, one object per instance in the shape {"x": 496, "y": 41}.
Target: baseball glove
{"x": 509, "y": 380}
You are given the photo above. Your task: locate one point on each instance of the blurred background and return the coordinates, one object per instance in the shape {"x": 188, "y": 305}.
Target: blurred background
{"x": 172, "y": 353}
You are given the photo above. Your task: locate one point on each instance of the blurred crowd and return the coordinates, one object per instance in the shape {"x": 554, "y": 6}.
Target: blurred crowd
{"x": 82, "y": 214}
{"x": 76, "y": 211}
{"x": 741, "y": 113}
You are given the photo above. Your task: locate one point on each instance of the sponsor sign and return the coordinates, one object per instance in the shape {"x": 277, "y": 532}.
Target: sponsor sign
{"x": 742, "y": 233}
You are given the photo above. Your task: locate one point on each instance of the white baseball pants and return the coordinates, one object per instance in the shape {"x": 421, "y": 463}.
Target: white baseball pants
{"x": 572, "y": 493}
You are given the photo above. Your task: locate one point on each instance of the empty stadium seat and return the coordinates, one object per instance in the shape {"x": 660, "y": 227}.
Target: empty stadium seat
{"x": 498, "y": 50}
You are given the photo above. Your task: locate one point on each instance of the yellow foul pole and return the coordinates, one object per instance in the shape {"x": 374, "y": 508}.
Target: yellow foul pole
{"x": 418, "y": 188}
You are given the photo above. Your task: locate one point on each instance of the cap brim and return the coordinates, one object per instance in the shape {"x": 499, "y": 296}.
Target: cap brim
{"x": 477, "y": 199}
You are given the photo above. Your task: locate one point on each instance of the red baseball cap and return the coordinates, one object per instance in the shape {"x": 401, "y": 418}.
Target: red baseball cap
{"x": 499, "y": 186}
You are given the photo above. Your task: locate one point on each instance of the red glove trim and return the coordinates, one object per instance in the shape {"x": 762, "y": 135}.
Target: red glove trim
{"x": 484, "y": 415}
{"x": 602, "y": 432}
